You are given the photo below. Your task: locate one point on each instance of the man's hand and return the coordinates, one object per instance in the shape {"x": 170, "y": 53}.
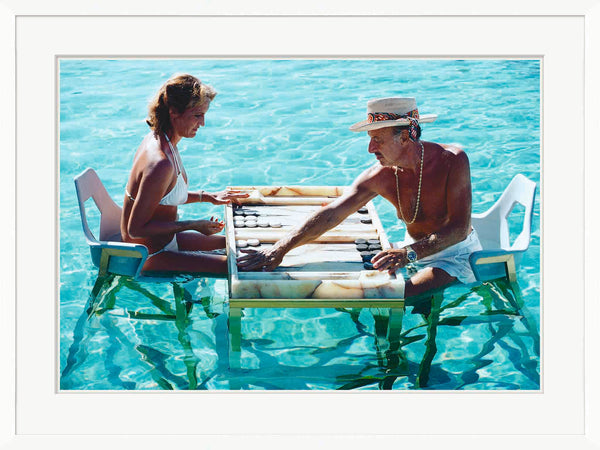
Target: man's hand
{"x": 224, "y": 197}
{"x": 265, "y": 260}
{"x": 390, "y": 260}
{"x": 314, "y": 226}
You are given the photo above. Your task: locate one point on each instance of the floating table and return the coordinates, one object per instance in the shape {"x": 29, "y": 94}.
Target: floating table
{"x": 333, "y": 271}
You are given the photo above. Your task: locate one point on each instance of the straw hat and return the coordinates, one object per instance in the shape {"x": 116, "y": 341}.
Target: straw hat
{"x": 391, "y": 112}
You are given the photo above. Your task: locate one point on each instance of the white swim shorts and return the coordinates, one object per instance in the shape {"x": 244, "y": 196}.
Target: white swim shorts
{"x": 454, "y": 260}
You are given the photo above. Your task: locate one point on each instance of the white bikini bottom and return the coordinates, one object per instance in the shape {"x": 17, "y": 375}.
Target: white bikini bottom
{"x": 170, "y": 247}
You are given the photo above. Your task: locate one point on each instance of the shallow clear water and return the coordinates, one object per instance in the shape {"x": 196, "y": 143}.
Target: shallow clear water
{"x": 286, "y": 122}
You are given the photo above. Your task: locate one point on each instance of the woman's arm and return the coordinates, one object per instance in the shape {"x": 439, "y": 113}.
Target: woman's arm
{"x": 217, "y": 198}
{"x": 154, "y": 183}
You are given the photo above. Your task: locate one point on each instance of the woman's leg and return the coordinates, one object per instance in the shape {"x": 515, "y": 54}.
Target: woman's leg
{"x": 188, "y": 258}
{"x": 186, "y": 262}
{"x": 189, "y": 241}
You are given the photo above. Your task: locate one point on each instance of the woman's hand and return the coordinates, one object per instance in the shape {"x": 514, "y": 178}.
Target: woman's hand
{"x": 224, "y": 197}
{"x": 390, "y": 260}
{"x": 208, "y": 227}
{"x": 265, "y": 260}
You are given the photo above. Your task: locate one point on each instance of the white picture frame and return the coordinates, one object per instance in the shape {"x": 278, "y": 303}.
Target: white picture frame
{"x": 562, "y": 414}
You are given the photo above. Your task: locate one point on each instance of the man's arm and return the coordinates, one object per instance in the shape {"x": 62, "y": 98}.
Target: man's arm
{"x": 456, "y": 228}
{"x": 318, "y": 223}
{"x": 326, "y": 218}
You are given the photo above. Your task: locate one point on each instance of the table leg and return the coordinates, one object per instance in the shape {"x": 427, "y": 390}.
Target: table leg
{"x": 235, "y": 337}
{"x": 430, "y": 345}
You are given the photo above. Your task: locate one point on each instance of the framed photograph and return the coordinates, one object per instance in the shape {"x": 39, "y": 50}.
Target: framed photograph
{"x": 117, "y": 55}
{"x": 271, "y": 125}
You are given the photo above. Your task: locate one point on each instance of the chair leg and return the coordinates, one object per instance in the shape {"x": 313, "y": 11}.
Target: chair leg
{"x": 512, "y": 291}
{"x": 181, "y": 313}
{"x": 160, "y": 303}
{"x": 105, "y": 288}
{"x": 511, "y": 269}
{"x": 103, "y": 292}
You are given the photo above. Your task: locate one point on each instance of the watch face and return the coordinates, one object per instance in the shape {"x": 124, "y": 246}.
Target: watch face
{"x": 411, "y": 255}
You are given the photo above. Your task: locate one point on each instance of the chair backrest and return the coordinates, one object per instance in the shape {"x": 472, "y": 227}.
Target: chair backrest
{"x": 87, "y": 184}
{"x": 492, "y": 226}
{"x": 499, "y": 257}
{"x": 108, "y": 252}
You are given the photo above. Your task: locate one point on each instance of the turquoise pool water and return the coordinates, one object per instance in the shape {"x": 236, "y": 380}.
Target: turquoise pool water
{"x": 286, "y": 122}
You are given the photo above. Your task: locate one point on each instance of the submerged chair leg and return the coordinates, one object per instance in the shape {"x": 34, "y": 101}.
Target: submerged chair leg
{"x": 512, "y": 292}
{"x": 76, "y": 354}
{"x": 235, "y": 338}
{"x": 182, "y": 311}
{"x": 104, "y": 288}
{"x": 160, "y": 303}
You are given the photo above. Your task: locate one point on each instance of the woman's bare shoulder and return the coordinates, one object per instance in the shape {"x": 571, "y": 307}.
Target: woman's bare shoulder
{"x": 150, "y": 159}
{"x": 150, "y": 151}
{"x": 150, "y": 145}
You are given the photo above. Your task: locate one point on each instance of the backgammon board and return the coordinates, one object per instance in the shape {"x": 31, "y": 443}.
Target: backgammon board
{"x": 332, "y": 270}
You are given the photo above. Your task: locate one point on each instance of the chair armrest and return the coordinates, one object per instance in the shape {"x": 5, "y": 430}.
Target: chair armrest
{"x": 492, "y": 264}
{"x": 121, "y": 258}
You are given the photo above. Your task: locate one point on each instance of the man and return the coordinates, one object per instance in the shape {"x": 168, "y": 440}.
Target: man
{"x": 429, "y": 184}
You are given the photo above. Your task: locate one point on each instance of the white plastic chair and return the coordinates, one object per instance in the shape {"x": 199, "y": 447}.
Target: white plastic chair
{"x": 500, "y": 258}
{"x": 109, "y": 253}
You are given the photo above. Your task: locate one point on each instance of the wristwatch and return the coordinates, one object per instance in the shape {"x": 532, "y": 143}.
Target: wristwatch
{"x": 411, "y": 255}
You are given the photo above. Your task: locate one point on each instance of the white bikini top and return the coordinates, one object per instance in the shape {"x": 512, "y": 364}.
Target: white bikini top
{"x": 179, "y": 194}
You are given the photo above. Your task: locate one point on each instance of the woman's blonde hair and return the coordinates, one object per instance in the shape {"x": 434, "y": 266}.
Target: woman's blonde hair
{"x": 180, "y": 92}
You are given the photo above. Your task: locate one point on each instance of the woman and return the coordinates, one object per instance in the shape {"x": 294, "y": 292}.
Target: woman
{"x": 158, "y": 183}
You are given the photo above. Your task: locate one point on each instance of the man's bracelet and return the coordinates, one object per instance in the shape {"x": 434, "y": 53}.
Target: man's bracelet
{"x": 201, "y": 195}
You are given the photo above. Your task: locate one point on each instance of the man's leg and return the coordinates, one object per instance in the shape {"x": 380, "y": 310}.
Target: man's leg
{"x": 426, "y": 280}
